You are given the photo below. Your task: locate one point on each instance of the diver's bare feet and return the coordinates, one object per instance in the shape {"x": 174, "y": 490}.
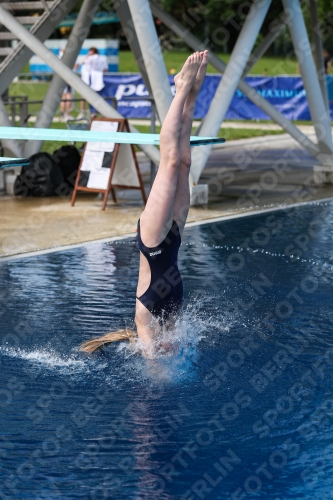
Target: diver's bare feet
{"x": 185, "y": 79}
{"x": 200, "y": 74}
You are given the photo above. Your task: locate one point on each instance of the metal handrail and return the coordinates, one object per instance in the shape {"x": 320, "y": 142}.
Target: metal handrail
{"x": 78, "y": 99}
{"x": 39, "y": 101}
{"x": 24, "y": 114}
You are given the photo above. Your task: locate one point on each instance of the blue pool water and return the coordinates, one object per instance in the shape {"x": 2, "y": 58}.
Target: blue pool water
{"x": 242, "y": 409}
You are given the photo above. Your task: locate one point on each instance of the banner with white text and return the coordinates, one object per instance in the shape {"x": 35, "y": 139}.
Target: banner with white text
{"x": 287, "y": 94}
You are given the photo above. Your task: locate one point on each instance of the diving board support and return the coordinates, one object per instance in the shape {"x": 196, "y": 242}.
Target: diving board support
{"x": 69, "y": 76}
{"x": 318, "y": 50}
{"x": 149, "y": 43}
{"x": 315, "y": 98}
{"x": 125, "y": 17}
{"x": 55, "y": 90}
{"x": 243, "y": 86}
{"x": 266, "y": 43}
{"x": 227, "y": 87}
{"x": 11, "y": 145}
{"x": 108, "y": 165}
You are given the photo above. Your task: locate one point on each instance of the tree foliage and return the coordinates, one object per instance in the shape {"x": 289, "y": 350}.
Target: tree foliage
{"x": 219, "y": 22}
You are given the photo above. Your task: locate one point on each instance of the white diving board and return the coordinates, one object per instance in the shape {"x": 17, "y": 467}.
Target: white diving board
{"x": 46, "y": 134}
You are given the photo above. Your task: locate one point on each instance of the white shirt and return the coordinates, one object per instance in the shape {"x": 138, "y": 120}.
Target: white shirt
{"x": 92, "y": 71}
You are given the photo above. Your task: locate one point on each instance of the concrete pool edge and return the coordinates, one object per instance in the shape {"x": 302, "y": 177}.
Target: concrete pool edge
{"x": 221, "y": 218}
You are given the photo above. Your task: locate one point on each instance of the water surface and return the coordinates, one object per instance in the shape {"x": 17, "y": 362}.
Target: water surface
{"x": 243, "y": 408}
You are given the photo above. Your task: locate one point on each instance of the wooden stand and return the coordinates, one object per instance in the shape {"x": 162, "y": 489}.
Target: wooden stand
{"x": 114, "y": 168}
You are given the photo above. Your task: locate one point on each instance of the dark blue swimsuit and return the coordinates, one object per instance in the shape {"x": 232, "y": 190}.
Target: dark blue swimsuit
{"x": 164, "y": 296}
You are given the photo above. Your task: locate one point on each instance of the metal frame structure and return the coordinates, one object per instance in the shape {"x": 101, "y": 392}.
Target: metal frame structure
{"x": 42, "y": 28}
{"x": 92, "y": 97}
{"x": 318, "y": 50}
{"x": 136, "y": 18}
{"x": 228, "y": 84}
{"x": 54, "y": 93}
{"x": 149, "y": 44}
{"x": 307, "y": 67}
{"x": 12, "y": 146}
{"x": 244, "y": 87}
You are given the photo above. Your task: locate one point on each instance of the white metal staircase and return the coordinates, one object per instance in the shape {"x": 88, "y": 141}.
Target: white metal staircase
{"x": 41, "y": 19}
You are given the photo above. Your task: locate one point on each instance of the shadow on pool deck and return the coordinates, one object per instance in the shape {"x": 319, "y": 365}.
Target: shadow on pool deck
{"x": 243, "y": 176}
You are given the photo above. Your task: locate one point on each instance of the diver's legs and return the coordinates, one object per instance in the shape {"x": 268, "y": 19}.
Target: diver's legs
{"x": 156, "y": 219}
{"x": 182, "y": 197}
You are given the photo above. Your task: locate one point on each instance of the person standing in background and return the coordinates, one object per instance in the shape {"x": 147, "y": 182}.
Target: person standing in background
{"x": 93, "y": 67}
{"x": 66, "y": 106}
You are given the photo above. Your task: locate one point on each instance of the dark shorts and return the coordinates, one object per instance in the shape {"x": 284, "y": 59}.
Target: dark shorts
{"x": 67, "y": 89}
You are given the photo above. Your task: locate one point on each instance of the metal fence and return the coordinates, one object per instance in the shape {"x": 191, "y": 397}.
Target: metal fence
{"x": 20, "y": 109}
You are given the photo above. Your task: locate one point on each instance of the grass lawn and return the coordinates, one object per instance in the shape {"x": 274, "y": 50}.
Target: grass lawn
{"x": 175, "y": 60}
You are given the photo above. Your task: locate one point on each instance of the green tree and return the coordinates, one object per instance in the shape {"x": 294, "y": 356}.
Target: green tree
{"x": 219, "y": 22}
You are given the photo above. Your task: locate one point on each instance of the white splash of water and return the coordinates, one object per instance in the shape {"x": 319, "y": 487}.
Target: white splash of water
{"x": 49, "y": 359}
{"x": 175, "y": 352}
{"x": 173, "y": 359}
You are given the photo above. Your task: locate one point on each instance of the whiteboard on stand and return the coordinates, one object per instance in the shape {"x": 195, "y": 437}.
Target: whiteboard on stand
{"x": 95, "y": 156}
{"x": 108, "y": 165}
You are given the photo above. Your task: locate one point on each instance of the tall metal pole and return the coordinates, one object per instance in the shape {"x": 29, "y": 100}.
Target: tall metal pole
{"x": 67, "y": 74}
{"x": 144, "y": 27}
{"x": 152, "y": 131}
{"x": 275, "y": 31}
{"x": 54, "y": 93}
{"x": 251, "y": 93}
{"x": 265, "y": 44}
{"x": 233, "y": 73}
{"x": 314, "y": 94}
{"x": 12, "y": 145}
{"x": 124, "y": 15}
{"x": 318, "y": 51}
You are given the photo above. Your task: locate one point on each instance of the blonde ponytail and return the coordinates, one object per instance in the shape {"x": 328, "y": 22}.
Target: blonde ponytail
{"x": 99, "y": 342}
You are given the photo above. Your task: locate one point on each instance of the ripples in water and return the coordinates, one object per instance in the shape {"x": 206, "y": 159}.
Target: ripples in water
{"x": 242, "y": 404}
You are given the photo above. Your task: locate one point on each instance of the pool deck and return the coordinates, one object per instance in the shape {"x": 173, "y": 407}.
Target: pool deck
{"x": 243, "y": 176}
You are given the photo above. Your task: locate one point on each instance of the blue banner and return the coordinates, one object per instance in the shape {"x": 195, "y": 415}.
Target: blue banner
{"x": 287, "y": 94}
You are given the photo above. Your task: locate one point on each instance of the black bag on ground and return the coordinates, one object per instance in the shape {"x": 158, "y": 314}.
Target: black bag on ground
{"x": 68, "y": 158}
{"x": 41, "y": 178}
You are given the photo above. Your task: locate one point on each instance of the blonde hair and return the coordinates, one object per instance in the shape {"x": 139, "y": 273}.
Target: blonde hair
{"x": 98, "y": 342}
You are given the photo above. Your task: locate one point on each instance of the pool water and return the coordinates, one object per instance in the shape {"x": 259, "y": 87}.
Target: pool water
{"x": 243, "y": 407}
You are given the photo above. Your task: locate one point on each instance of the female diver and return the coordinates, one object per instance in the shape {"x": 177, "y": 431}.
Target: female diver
{"x": 160, "y": 290}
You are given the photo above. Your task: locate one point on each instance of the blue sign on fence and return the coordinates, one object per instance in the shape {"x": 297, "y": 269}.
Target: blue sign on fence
{"x": 287, "y": 94}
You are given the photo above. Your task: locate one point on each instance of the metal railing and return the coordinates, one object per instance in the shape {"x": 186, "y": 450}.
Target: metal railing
{"x": 21, "y": 109}
{"x": 19, "y": 102}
